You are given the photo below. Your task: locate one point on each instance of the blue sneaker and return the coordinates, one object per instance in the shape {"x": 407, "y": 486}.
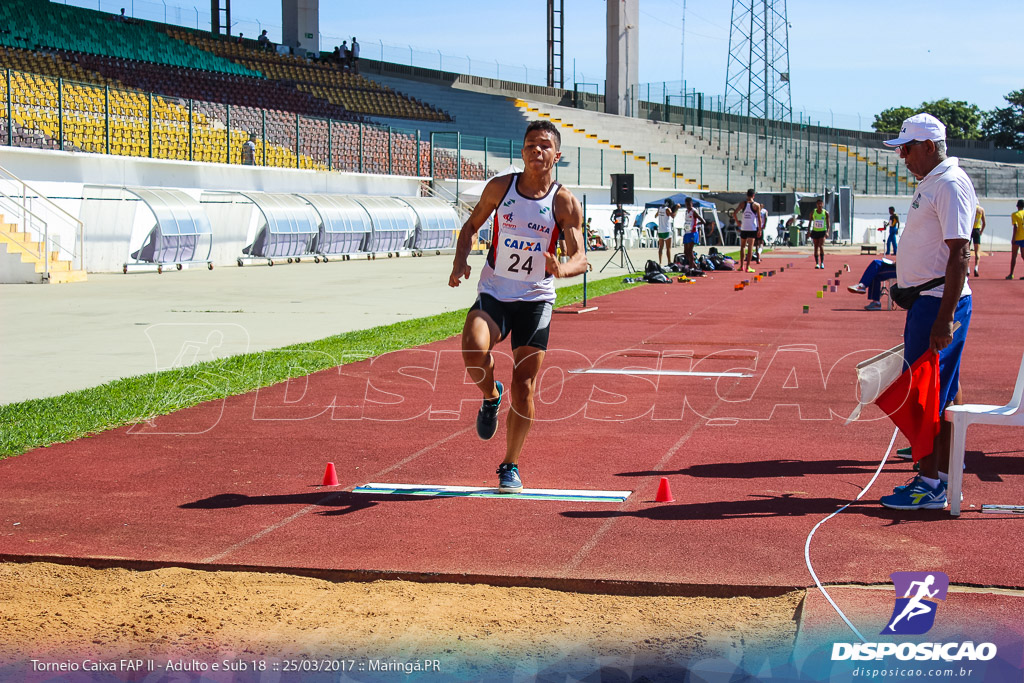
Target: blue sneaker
{"x": 917, "y": 495}
{"x": 508, "y": 479}
{"x": 487, "y": 418}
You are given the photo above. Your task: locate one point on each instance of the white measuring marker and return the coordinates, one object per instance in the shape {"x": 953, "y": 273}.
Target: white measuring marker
{"x": 643, "y": 371}
{"x": 579, "y": 496}
{"x": 1004, "y": 509}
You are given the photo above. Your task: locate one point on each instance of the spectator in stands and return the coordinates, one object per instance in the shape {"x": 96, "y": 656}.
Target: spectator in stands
{"x": 249, "y": 151}
{"x": 121, "y": 18}
{"x": 877, "y": 272}
{"x": 354, "y": 61}
{"x": 264, "y": 41}
{"x": 344, "y": 55}
{"x": 240, "y": 38}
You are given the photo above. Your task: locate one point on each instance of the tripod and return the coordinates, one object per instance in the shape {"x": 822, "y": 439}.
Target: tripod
{"x": 620, "y": 249}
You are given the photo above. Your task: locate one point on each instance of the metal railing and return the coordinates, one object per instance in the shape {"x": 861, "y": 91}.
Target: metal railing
{"x": 20, "y": 202}
{"x": 733, "y": 152}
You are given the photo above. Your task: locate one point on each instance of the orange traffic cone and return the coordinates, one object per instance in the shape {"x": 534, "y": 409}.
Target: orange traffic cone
{"x": 330, "y": 476}
{"x": 664, "y": 492}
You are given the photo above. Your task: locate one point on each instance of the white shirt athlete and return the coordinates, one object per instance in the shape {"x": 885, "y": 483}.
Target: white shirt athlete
{"x": 524, "y": 229}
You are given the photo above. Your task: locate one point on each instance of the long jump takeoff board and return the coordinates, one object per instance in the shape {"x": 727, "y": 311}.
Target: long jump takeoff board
{"x": 666, "y": 373}
{"x": 578, "y": 496}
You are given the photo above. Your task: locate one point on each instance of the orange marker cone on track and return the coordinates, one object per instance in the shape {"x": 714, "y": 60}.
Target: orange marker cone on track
{"x": 664, "y": 492}
{"x": 330, "y": 476}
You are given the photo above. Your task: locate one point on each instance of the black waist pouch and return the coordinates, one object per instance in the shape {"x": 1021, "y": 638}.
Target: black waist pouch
{"x": 906, "y": 296}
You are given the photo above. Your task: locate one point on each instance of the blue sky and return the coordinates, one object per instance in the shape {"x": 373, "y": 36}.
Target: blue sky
{"x": 848, "y": 60}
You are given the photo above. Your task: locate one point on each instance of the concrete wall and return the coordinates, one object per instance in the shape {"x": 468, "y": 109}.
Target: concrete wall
{"x": 88, "y": 186}
{"x": 301, "y": 24}
{"x": 622, "y": 55}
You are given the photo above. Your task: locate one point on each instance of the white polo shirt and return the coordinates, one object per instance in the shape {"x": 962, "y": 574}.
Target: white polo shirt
{"x": 942, "y": 209}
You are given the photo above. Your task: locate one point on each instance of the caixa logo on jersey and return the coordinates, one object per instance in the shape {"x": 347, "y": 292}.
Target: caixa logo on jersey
{"x": 918, "y": 595}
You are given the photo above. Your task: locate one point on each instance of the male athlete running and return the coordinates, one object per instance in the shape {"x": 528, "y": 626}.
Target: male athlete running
{"x": 517, "y": 290}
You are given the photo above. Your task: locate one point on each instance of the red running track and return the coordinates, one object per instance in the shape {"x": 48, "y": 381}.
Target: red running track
{"x": 753, "y": 463}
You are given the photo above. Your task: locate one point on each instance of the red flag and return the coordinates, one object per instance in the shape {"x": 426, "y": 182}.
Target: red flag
{"x": 912, "y": 403}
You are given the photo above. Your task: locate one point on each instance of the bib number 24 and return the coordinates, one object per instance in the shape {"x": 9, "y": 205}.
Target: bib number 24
{"x": 525, "y": 267}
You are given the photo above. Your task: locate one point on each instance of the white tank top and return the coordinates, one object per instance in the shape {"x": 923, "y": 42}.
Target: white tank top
{"x": 691, "y": 220}
{"x": 749, "y": 217}
{"x": 524, "y": 229}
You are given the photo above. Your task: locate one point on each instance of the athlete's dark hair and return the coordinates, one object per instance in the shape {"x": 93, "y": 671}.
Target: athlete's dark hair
{"x": 892, "y": 208}
{"x": 750, "y": 193}
{"x": 1020, "y": 203}
{"x": 547, "y": 126}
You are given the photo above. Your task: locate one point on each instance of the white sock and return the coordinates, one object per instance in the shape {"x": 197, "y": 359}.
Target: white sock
{"x": 944, "y": 476}
{"x": 934, "y": 483}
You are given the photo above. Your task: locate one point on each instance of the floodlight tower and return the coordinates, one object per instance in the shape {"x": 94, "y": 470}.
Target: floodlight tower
{"x": 757, "y": 78}
{"x": 556, "y": 50}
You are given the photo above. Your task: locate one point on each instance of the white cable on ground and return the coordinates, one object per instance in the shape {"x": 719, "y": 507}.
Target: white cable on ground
{"x": 807, "y": 545}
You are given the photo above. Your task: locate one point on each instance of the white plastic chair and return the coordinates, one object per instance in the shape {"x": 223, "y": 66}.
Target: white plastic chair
{"x": 1010, "y": 415}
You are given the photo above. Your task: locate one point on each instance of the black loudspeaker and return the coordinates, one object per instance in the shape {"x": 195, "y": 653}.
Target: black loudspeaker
{"x": 779, "y": 203}
{"x": 622, "y": 188}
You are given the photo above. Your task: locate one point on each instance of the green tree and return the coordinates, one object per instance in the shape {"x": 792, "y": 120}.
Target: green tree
{"x": 890, "y": 120}
{"x": 961, "y": 119}
{"x": 1005, "y": 126}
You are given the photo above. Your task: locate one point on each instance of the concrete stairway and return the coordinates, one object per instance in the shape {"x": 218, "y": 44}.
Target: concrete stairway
{"x": 658, "y": 154}
{"x": 476, "y": 114}
{"x": 21, "y": 259}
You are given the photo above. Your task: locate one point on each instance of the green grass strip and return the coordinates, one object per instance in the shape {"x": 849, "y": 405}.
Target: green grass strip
{"x": 41, "y": 422}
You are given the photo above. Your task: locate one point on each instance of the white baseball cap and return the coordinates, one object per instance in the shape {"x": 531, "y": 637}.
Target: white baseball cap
{"x": 919, "y": 127}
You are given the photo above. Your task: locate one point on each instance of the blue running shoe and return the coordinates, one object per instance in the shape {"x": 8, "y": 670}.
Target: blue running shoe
{"x": 487, "y": 418}
{"x": 898, "y": 489}
{"x": 917, "y": 495}
{"x": 508, "y": 479}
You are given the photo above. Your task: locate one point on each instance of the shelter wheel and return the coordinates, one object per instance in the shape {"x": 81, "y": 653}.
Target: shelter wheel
{"x": 289, "y": 259}
{"x": 437, "y": 253}
{"x": 390, "y": 254}
{"x": 298, "y": 260}
{"x": 270, "y": 261}
{"x": 239, "y": 262}
{"x": 178, "y": 266}
{"x": 316, "y": 259}
{"x": 325, "y": 259}
{"x": 159, "y": 270}
{"x": 209, "y": 266}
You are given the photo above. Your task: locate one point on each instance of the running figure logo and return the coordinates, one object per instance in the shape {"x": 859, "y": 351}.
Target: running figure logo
{"x": 914, "y": 612}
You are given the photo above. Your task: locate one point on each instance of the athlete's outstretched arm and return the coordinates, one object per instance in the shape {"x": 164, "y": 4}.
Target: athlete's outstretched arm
{"x": 489, "y": 199}
{"x": 569, "y": 216}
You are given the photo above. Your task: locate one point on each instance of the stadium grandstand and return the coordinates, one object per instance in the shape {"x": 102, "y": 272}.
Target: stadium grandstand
{"x": 77, "y": 80}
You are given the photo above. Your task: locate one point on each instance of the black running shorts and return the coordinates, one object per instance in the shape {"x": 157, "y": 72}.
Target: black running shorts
{"x": 528, "y": 321}
{"x": 976, "y": 236}
{"x": 748, "y": 234}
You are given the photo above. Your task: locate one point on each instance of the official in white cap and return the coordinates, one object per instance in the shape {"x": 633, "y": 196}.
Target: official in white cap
{"x": 934, "y": 258}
